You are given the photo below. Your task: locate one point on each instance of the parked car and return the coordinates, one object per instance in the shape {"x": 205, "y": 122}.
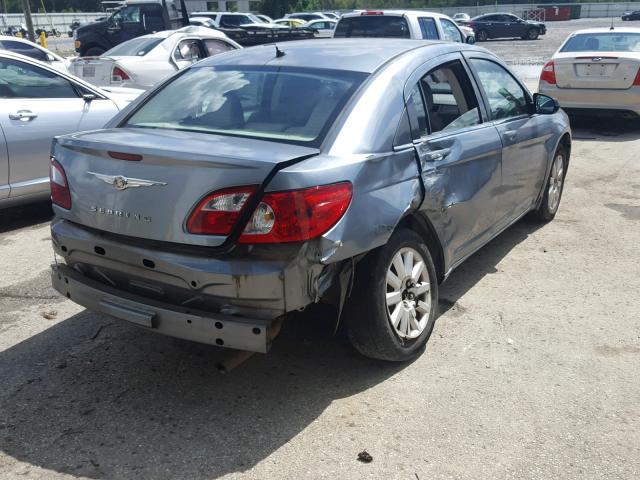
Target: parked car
{"x": 35, "y": 51}
{"x": 596, "y": 71}
{"x": 145, "y": 61}
{"x": 134, "y": 18}
{"x": 627, "y": 16}
{"x": 307, "y": 17}
{"x": 289, "y": 22}
{"x": 323, "y": 28}
{"x": 461, "y": 18}
{"x": 39, "y": 102}
{"x": 264, "y": 18}
{"x": 331, "y": 15}
{"x": 401, "y": 24}
{"x": 505, "y": 25}
{"x": 234, "y": 19}
{"x": 261, "y": 181}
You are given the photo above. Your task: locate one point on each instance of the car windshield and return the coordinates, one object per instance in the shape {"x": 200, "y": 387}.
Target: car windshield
{"x": 291, "y": 105}
{"x": 137, "y": 47}
{"x": 603, "y": 42}
{"x": 385, "y": 26}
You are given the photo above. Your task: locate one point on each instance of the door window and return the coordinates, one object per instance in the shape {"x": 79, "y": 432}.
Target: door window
{"x": 22, "y": 80}
{"x": 451, "y": 32}
{"x": 130, "y": 14}
{"x": 428, "y": 28}
{"x": 449, "y": 97}
{"x": 505, "y": 95}
{"x": 215, "y": 47}
{"x": 188, "y": 50}
{"x": 417, "y": 114}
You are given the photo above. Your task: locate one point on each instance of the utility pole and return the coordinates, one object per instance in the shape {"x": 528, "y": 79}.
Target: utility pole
{"x": 28, "y": 20}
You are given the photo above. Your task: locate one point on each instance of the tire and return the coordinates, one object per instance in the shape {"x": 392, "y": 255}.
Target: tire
{"x": 368, "y": 319}
{"x": 93, "y": 52}
{"x": 533, "y": 34}
{"x": 482, "y": 36}
{"x": 553, "y": 188}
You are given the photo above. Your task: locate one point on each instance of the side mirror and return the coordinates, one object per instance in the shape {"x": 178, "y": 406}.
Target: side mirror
{"x": 544, "y": 104}
{"x": 471, "y": 39}
{"x": 88, "y": 97}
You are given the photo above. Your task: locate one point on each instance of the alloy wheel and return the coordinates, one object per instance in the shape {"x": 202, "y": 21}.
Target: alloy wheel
{"x": 408, "y": 293}
{"x": 556, "y": 178}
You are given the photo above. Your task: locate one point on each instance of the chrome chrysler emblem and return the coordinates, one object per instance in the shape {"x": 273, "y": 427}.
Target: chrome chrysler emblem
{"x": 120, "y": 182}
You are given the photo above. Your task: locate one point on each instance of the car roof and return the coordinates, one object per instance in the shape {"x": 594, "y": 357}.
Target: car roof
{"x": 349, "y": 54}
{"x": 187, "y": 31}
{"x": 408, "y": 13}
{"x": 32, "y": 44}
{"x": 608, "y": 30}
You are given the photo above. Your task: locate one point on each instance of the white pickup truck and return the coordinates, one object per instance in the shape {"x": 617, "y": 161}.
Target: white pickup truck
{"x": 402, "y": 24}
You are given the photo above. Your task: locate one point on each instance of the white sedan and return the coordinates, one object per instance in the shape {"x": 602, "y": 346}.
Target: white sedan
{"x": 144, "y": 61}
{"x": 596, "y": 71}
{"x": 35, "y": 51}
{"x": 323, "y": 28}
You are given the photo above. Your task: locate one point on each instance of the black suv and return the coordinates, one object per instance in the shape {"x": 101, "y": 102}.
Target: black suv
{"x": 631, "y": 15}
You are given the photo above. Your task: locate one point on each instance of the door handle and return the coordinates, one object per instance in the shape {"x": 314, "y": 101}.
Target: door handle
{"x": 23, "y": 115}
{"x": 510, "y": 135}
{"x": 435, "y": 155}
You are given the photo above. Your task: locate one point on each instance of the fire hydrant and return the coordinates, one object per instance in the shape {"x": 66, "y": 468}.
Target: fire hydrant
{"x": 43, "y": 39}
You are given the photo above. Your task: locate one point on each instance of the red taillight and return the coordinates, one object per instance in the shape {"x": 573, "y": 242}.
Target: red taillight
{"x": 119, "y": 75}
{"x": 548, "y": 73}
{"x": 297, "y": 215}
{"x": 60, "y": 194}
{"x": 372, "y": 12}
{"x": 636, "y": 81}
{"x": 130, "y": 157}
{"x": 217, "y": 213}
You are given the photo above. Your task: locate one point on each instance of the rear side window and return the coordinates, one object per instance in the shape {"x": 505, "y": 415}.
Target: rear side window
{"x": 21, "y": 80}
{"x": 136, "y": 47}
{"x": 24, "y": 49}
{"x": 506, "y": 97}
{"x": 428, "y": 28}
{"x": 285, "y": 104}
{"x": 384, "y": 26}
{"x": 217, "y": 46}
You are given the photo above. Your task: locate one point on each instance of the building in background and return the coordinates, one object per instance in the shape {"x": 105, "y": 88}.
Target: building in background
{"x": 222, "y": 5}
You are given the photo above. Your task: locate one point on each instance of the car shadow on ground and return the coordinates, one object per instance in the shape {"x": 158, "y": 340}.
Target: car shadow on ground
{"x": 13, "y": 218}
{"x": 604, "y": 129}
{"x": 95, "y": 397}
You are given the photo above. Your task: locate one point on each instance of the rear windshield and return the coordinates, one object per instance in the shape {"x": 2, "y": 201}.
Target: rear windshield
{"x": 373, "y": 26}
{"x": 603, "y": 42}
{"x": 137, "y": 47}
{"x": 290, "y": 105}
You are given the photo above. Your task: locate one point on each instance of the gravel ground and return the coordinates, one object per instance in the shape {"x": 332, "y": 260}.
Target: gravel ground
{"x": 531, "y": 373}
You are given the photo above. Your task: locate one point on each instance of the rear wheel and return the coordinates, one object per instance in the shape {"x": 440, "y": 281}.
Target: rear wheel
{"x": 482, "y": 36}
{"x": 553, "y": 189}
{"x": 533, "y": 33}
{"x": 392, "y": 309}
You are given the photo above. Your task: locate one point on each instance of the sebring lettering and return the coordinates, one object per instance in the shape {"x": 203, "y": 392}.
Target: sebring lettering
{"x": 119, "y": 213}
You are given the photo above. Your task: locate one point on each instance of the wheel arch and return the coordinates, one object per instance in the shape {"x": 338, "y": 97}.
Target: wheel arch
{"x": 423, "y": 227}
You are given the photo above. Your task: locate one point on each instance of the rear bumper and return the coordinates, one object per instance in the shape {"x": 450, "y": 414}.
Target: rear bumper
{"x": 254, "y": 335}
{"x": 187, "y": 294}
{"x": 575, "y": 100}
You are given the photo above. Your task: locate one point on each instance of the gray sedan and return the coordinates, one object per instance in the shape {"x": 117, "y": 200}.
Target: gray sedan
{"x": 39, "y": 102}
{"x": 252, "y": 185}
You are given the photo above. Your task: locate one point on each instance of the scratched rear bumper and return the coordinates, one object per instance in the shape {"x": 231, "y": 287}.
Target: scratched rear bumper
{"x": 216, "y": 329}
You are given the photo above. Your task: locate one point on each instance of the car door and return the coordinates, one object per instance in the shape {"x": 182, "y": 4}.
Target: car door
{"x": 38, "y": 104}
{"x": 514, "y": 26}
{"x": 125, "y": 24}
{"x": 459, "y": 154}
{"x": 523, "y": 135}
{"x": 4, "y": 168}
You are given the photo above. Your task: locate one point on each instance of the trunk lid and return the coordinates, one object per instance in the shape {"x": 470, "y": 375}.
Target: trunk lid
{"x": 95, "y": 70}
{"x": 181, "y": 167}
{"x": 611, "y": 70}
